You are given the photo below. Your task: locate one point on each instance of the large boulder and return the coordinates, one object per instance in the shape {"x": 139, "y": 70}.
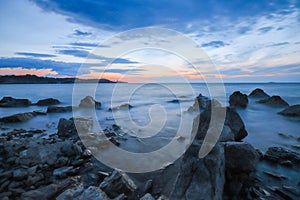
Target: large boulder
{"x": 241, "y": 160}
{"x": 21, "y": 117}
{"x": 200, "y": 177}
{"x": 238, "y": 99}
{"x": 233, "y": 127}
{"x": 89, "y": 102}
{"x": 274, "y": 101}
{"x": 118, "y": 183}
{"x": 59, "y": 109}
{"x": 48, "y": 102}
{"x": 199, "y": 103}
{"x": 12, "y": 102}
{"x": 258, "y": 93}
{"x": 293, "y": 111}
{"x": 280, "y": 155}
{"x": 66, "y": 127}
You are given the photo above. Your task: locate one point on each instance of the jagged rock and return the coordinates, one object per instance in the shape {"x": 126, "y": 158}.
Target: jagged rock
{"x": 238, "y": 99}
{"x": 67, "y": 128}
{"x": 147, "y": 197}
{"x": 240, "y": 157}
{"x": 233, "y": 129}
{"x": 293, "y": 111}
{"x": 48, "y": 102}
{"x": 20, "y": 174}
{"x": 241, "y": 160}
{"x": 258, "y": 93}
{"x": 12, "y": 102}
{"x": 279, "y": 154}
{"x": 274, "y": 101}
{"x": 200, "y": 177}
{"x": 47, "y": 192}
{"x": 89, "y": 102}
{"x": 200, "y": 103}
{"x": 125, "y": 106}
{"x": 118, "y": 183}
{"x": 59, "y": 109}
{"x": 90, "y": 193}
{"x": 39, "y": 112}
{"x": 21, "y": 117}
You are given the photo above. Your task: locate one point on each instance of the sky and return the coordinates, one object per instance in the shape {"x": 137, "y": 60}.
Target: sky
{"x": 245, "y": 40}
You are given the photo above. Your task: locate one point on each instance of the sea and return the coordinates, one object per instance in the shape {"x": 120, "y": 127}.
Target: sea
{"x": 158, "y": 108}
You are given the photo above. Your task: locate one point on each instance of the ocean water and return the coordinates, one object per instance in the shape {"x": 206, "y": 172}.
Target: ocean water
{"x": 159, "y": 109}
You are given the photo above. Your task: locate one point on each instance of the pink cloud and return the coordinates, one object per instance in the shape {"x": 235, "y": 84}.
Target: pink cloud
{"x": 22, "y": 71}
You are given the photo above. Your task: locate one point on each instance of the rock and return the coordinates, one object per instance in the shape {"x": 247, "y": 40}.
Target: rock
{"x": 118, "y": 183}
{"x": 234, "y": 128}
{"x": 59, "y": 109}
{"x": 279, "y": 154}
{"x": 274, "y": 101}
{"x": 47, "y": 192}
{"x": 200, "y": 177}
{"x": 66, "y": 127}
{"x": 277, "y": 176}
{"x": 147, "y": 197}
{"x": 21, "y": 117}
{"x": 20, "y": 174}
{"x": 33, "y": 179}
{"x": 63, "y": 171}
{"x": 258, "y": 93}
{"x": 148, "y": 186}
{"x": 91, "y": 193}
{"x": 241, "y": 160}
{"x": 292, "y": 111}
{"x": 125, "y": 106}
{"x": 89, "y": 102}
{"x": 48, "y": 102}
{"x": 12, "y": 102}
{"x": 238, "y": 99}
{"x": 40, "y": 154}
{"x": 200, "y": 103}
{"x": 39, "y": 112}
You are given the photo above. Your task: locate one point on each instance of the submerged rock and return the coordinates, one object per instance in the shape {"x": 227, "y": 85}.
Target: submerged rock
{"x": 200, "y": 177}
{"x": 274, "y": 101}
{"x": 233, "y": 128}
{"x": 279, "y": 155}
{"x": 258, "y": 93}
{"x": 12, "y": 102}
{"x": 293, "y": 111}
{"x": 125, "y": 106}
{"x": 59, "y": 109}
{"x": 89, "y": 102}
{"x": 21, "y": 117}
{"x": 48, "y": 102}
{"x": 238, "y": 99}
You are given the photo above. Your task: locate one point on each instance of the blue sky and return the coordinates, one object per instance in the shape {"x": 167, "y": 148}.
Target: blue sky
{"x": 247, "y": 40}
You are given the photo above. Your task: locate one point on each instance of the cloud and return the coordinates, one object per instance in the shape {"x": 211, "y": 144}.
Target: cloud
{"x": 215, "y": 44}
{"x": 122, "y": 15}
{"x": 62, "y": 68}
{"x": 36, "y": 55}
{"x": 23, "y": 71}
{"x": 87, "y": 54}
{"x": 265, "y": 29}
{"x": 279, "y": 44}
{"x": 81, "y": 33}
{"x": 84, "y": 44}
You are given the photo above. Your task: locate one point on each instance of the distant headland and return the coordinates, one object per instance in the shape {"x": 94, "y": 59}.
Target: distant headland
{"x": 33, "y": 79}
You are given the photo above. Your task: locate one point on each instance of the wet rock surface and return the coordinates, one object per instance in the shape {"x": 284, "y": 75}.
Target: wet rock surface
{"x": 12, "y": 102}
{"x": 89, "y": 102}
{"x": 274, "y": 101}
{"x": 48, "y": 102}
{"x": 59, "y": 109}
{"x": 238, "y": 99}
{"x": 21, "y": 117}
{"x": 292, "y": 111}
{"x": 125, "y": 106}
{"x": 258, "y": 93}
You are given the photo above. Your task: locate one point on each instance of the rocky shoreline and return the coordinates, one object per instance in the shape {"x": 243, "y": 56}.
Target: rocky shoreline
{"x": 61, "y": 167}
